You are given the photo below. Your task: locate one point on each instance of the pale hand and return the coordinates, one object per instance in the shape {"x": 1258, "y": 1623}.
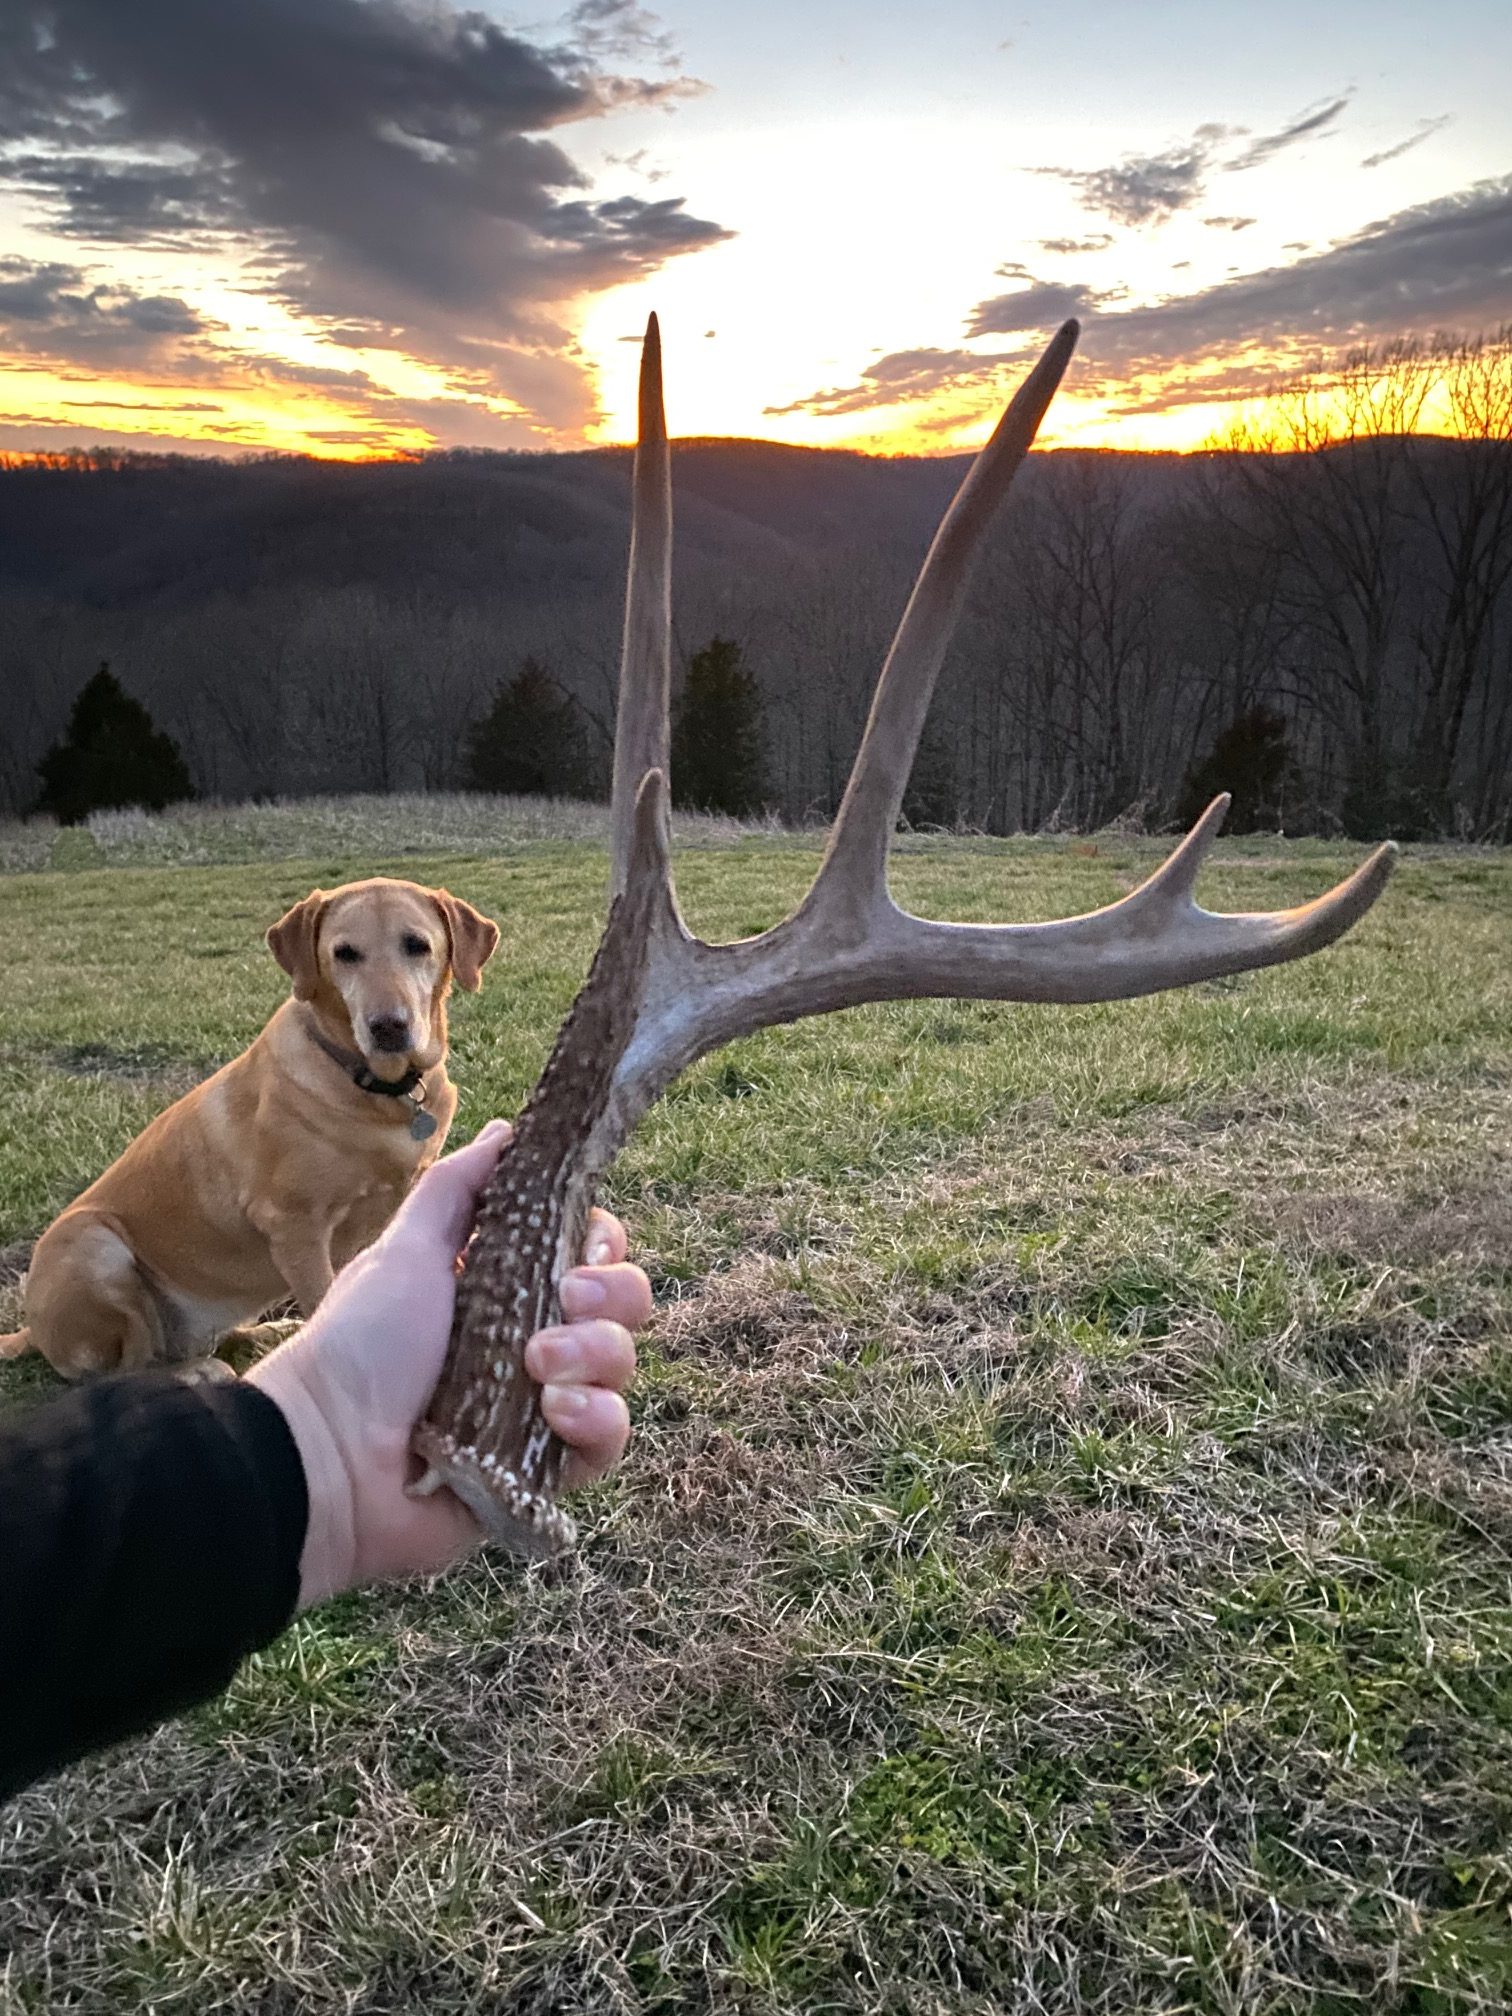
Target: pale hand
{"x": 352, "y": 1383}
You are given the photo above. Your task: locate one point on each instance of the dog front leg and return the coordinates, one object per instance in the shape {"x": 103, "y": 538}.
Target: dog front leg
{"x": 300, "y": 1247}
{"x": 305, "y": 1265}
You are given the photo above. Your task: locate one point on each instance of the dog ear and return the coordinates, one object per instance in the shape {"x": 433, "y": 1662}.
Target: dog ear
{"x": 473, "y": 936}
{"x": 292, "y": 942}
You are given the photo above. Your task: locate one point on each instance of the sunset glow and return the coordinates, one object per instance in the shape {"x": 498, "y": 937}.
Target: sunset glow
{"x": 859, "y": 245}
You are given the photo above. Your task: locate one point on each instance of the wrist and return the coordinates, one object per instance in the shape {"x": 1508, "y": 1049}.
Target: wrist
{"x": 327, "y": 1560}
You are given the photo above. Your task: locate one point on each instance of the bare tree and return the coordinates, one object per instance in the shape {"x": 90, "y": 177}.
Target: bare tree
{"x": 1464, "y": 502}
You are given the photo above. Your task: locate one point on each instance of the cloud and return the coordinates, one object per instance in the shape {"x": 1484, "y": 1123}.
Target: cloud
{"x": 1228, "y": 223}
{"x": 1437, "y": 267}
{"x": 26, "y": 434}
{"x": 639, "y": 163}
{"x": 1426, "y": 128}
{"x": 1096, "y": 241}
{"x": 619, "y": 31}
{"x": 1313, "y": 120}
{"x": 1146, "y": 188}
{"x": 1150, "y": 188}
{"x": 1039, "y": 304}
{"x": 143, "y": 405}
{"x": 106, "y": 203}
{"x": 388, "y": 168}
{"x": 51, "y": 310}
{"x": 903, "y": 377}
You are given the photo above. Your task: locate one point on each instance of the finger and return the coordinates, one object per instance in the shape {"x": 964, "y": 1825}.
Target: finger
{"x": 621, "y": 1293}
{"x": 607, "y": 1240}
{"x": 439, "y": 1210}
{"x": 596, "y": 1353}
{"x": 594, "y": 1424}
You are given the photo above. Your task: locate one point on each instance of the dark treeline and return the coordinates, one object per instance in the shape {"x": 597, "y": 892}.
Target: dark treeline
{"x": 1322, "y": 616}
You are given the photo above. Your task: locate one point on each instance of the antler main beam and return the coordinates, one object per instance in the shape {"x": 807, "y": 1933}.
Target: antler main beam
{"x": 657, "y": 998}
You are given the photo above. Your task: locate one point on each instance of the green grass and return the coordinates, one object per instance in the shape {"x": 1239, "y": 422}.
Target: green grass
{"x": 1063, "y": 1564}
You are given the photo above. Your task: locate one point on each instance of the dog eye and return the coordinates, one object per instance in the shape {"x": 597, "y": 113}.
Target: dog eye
{"x": 347, "y": 954}
{"x": 415, "y": 947}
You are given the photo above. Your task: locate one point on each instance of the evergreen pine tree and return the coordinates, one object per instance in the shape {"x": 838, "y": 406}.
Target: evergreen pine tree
{"x": 718, "y": 741}
{"x": 1251, "y": 760}
{"x": 109, "y": 755}
{"x": 529, "y": 744}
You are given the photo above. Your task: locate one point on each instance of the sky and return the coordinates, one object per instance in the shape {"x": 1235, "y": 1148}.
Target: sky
{"x": 367, "y": 227}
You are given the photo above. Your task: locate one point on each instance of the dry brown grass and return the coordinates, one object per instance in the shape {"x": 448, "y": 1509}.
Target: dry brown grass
{"x": 1063, "y": 1564}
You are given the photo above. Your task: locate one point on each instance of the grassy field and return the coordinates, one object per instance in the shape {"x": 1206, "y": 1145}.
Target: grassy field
{"x": 1064, "y": 1560}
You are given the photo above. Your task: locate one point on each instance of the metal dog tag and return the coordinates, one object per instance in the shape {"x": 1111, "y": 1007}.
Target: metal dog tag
{"x": 423, "y": 1125}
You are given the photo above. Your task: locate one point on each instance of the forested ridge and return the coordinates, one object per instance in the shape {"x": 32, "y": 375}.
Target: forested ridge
{"x": 1343, "y": 606}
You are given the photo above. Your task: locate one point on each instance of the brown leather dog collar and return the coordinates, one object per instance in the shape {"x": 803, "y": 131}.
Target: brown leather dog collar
{"x": 356, "y": 1068}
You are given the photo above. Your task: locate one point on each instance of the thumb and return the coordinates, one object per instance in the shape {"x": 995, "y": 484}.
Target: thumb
{"x": 439, "y": 1210}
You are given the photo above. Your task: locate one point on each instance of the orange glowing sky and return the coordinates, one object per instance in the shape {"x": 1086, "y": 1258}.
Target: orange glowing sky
{"x": 371, "y": 227}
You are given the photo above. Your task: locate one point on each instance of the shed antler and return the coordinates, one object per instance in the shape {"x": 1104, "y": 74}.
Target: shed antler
{"x": 657, "y": 998}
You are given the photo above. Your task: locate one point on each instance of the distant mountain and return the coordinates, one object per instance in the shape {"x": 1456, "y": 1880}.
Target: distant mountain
{"x": 175, "y": 529}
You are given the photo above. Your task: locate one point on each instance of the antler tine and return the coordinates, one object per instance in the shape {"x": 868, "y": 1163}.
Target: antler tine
{"x": 1156, "y": 937}
{"x": 641, "y": 740}
{"x": 854, "y": 866}
{"x": 1290, "y": 933}
{"x": 1175, "y": 878}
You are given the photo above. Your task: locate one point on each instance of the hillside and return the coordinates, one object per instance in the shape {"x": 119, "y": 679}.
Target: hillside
{"x": 304, "y": 627}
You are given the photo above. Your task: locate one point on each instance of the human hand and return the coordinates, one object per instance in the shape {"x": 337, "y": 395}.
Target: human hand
{"x": 353, "y": 1382}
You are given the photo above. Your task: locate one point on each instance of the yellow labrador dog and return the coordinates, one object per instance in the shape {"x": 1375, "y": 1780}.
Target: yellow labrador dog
{"x": 262, "y": 1182}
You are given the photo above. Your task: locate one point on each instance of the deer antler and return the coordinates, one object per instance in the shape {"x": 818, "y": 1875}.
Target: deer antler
{"x": 657, "y": 998}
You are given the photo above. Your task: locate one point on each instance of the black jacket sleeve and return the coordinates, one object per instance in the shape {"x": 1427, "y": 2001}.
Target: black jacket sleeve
{"x": 150, "y": 1533}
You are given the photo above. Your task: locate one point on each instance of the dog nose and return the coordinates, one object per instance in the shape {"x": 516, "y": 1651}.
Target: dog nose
{"x": 389, "y": 1032}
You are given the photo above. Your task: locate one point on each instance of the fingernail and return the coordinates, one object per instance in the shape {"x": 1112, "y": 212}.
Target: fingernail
{"x": 580, "y": 1295}
{"x": 566, "y": 1403}
{"x": 599, "y": 1252}
{"x": 555, "y": 1354}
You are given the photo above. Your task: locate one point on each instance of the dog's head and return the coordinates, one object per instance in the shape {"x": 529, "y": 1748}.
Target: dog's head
{"x": 377, "y": 959}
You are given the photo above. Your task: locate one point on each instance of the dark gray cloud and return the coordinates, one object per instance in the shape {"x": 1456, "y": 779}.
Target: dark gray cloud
{"x": 1314, "y": 120}
{"x": 1149, "y": 188}
{"x": 1444, "y": 265}
{"x": 1426, "y": 128}
{"x": 50, "y": 310}
{"x": 389, "y": 167}
{"x": 101, "y": 201}
{"x": 1038, "y": 304}
{"x": 630, "y": 228}
{"x": 24, "y": 434}
{"x": 1438, "y": 267}
{"x": 1095, "y": 241}
{"x": 1146, "y": 188}
{"x": 1228, "y": 223}
{"x": 314, "y": 377}
{"x": 903, "y": 376}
